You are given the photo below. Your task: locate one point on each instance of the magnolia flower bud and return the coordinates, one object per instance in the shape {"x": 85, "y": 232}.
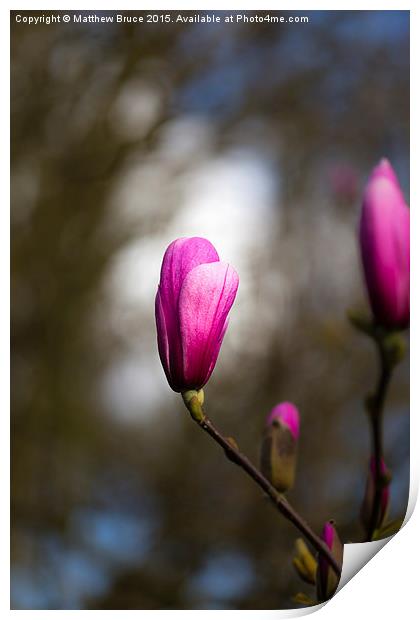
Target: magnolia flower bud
{"x": 195, "y": 293}
{"x": 279, "y": 446}
{"x": 304, "y": 562}
{"x": 385, "y": 247}
{"x": 369, "y": 498}
{"x": 326, "y": 579}
{"x": 344, "y": 182}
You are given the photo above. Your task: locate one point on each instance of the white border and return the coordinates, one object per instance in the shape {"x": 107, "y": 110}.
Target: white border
{"x": 388, "y": 584}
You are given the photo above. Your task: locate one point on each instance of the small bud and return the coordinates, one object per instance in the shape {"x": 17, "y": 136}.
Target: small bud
{"x": 326, "y": 579}
{"x": 279, "y": 446}
{"x": 369, "y": 498}
{"x": 193, "y": 401}
{"x": 231, "y": 454}
{"x": 304, "y": 562}
{"x": 232, "y": 442}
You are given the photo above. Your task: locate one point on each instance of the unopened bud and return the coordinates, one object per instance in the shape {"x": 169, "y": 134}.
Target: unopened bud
{"x": 383, "y": 480}
{"x": 279, "y": 446}
{"x": 384, "y": 236}
{"x": 304, "y": 562}
{"x": 326, "y": 578}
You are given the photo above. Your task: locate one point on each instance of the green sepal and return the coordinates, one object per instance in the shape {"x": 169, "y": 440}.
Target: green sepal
{"x": 394, "y": 347}
{"x": 194, "y": 403}
{"x": 392, "y": 342}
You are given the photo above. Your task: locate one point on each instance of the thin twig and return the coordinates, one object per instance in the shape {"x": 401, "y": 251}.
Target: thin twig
{"x": 281, "y": 503}
{"x": 376, "y": 413}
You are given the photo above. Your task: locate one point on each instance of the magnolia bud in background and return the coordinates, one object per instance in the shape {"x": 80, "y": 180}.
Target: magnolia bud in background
{"x": 385, "y": 247}
{"x": 344, "y": 182}
{"x": 279, "y": 446}
{"x": 326, "y": 579}
{"x": 368, "y": 501}
{"x": 195, "y": 294}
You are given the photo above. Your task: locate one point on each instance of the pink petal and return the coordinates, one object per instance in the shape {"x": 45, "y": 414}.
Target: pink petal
{"x": 385, "y": 170}
{"x": 207, "y": 294}
{"x": 181, "y": 256}
{"x": 328, "y": 534}
{"x": 385, "y": 245}
{"x": 162, "y": 334}
{"x": 216, "y": 352}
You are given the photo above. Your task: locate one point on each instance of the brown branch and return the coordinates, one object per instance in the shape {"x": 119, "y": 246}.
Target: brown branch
{"x": 376, "y": 413}
{"x": 279, "y": 501}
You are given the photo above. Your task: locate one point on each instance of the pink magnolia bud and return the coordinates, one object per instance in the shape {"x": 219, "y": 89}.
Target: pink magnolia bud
{"x": 326, "y": 579}
{"x": 369, "y": 498}
{"x": 344, "y": 182}
{"x": 195, "y": 294}
{"x": 287, "y": 415}
{"x": 385, "y": 247}
{"x": 279, "y": 446}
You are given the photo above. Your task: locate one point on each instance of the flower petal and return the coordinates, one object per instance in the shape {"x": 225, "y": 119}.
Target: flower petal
{"x": 385, "y": 245}
{"x": 385, "y": 170}
{"x": 206, "y": 297}
{"x": 181, "y": 256}
{"x": 162, "y": 334}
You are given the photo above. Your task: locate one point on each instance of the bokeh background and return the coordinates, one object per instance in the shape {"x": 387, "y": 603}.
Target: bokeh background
{"x": 260, "y": 138}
